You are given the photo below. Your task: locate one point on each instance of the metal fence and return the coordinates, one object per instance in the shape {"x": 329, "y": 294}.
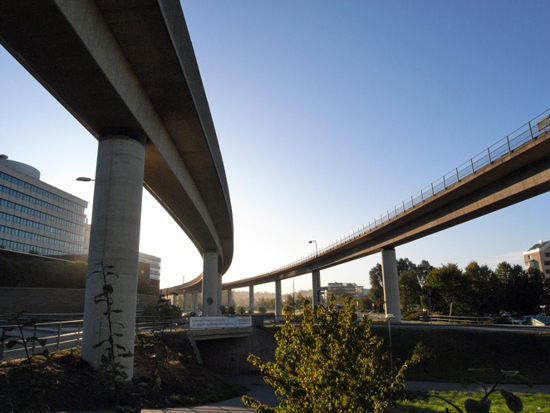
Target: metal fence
{"x": 456, "y": 319}
{"x": 525, "y": 133}
{"x": 58, "y": 335}
{"x": 61, "y": 335}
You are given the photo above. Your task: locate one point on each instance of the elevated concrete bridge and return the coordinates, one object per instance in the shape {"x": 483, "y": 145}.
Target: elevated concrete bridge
{"x": 513, "y": 170}
{"x": 127, "y": 71}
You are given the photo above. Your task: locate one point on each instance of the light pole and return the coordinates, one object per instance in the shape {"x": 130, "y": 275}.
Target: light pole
{"x": 389, "y": 317}
{"x": 316, "y": 254}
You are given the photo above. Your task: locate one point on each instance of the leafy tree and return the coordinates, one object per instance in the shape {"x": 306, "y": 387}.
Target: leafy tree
{"x": 486, "y": 289}
{"x": 330, "y": 363}
{"x": 365, "y": 304}
{"x": 409, "y": 288}
{"x": 423, "y": 269}
{"x": 376, "y": 284}
{"x": 524, "y": 290}
{"x": 448, "y": 285}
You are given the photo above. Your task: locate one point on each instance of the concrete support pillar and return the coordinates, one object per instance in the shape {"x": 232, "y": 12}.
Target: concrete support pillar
{"x": 114, "y": 241}
{"x": 391, "y": 283}
{"x": 316, "y": 282}
{"x": 174, "y": 299}
{"x": 220, "y": 302}
{"x": 278, "y": 299}
{"x": 195, "y": 302}
{"x": 251, "y": 298}
{"x": 210, "y": 282}
{"x": 184, "y": 305}
{"x": 229, "y": 297}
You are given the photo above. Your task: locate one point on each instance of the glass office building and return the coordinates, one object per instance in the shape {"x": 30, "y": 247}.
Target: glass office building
{"x": 36, "y": 217}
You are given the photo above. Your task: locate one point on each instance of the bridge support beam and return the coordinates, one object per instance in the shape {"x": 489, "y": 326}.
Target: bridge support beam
{"x": 220, "y": 302}
{"x": 195, "y": 302}
{"x": 278, "y": 299}
{"x": 114, "y": 241}
{"x": 391, "y": 283}
{"x": 229, "y": 297}
{"x": 184, "y": 304}
{"x": 316, "y": 282}
{"x": 210, "y": 284}
{"x": 251, "y": 298}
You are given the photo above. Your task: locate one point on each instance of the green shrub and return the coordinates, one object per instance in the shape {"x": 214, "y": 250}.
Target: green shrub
{"x": 413, "y": 315}
{"x": 330, "y": 363}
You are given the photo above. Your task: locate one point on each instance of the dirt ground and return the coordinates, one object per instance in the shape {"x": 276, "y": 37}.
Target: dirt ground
{"x": 166, "y": 374}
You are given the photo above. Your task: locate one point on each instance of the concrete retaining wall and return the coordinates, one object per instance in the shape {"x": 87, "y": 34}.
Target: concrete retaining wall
{"x": 229, "y": 355}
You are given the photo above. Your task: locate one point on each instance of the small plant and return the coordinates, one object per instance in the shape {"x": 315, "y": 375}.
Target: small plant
{"x": 424, "y": 354}
{"x": 330, "y": 363}
{"x": 167, "y": 311}
{"x": 31, "y": 394}
{"x": 513, "y": 402}
{"x": 111, "y": 368}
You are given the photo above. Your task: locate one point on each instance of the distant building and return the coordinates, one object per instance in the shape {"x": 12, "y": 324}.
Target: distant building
{"x": 345, "y": 288}
{"x": 538, "y": 256}
{"x": 154, "y": 268}
{"x": 40, "y": 219}
{"x": 36, "y": 217}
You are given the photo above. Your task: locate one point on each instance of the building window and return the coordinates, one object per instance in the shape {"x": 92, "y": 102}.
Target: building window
{"x": 547, "y": 271}
{"x": 547, "y": 254}
{"x": 546, "y": 262}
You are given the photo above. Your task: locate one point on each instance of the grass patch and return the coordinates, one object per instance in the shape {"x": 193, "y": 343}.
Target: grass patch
{"x": 423, "y": 403}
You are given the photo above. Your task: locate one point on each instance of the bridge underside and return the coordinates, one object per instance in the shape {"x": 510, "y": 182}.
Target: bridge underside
{"x": 520, "y": 175}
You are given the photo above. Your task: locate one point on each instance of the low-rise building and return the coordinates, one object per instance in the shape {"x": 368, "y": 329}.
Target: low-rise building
{"x": 538, "y": 256}
{"x": 352, "y": 289}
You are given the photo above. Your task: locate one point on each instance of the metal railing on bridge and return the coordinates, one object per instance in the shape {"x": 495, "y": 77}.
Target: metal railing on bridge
{"x": 525, "y": 133}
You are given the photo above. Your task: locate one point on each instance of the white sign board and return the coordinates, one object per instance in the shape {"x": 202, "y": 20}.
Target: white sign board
{"x": 219, "y": 322}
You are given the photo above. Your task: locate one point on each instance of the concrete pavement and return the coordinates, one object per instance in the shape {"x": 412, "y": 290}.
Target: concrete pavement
{"x": 261, "y": 391}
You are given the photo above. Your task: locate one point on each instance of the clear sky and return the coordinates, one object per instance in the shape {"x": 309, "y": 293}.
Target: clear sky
{"x": 328, "y": 113}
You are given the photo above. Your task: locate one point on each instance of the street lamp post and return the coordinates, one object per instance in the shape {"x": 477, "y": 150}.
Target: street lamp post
{"x": 389, "y": 317}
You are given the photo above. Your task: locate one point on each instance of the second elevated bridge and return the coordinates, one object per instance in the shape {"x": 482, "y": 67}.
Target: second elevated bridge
{"x": 514, "y": 169}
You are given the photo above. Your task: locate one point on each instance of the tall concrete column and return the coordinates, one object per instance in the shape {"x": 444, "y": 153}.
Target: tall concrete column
{"x": 229, "y": 297}
{"x": 174, "y": 299}
{"x": 316, "y": 283}
{"x": 278, "y": 299}
{"x": 114, "y": 241}
{"x": 391, "y": 283}
{"x": 184, "y": 308}
{"x": 220, "y": 302}
{"x": 195, "y": 302}
{"x": 210, "y": 281}
{"x": 251, "y": 298}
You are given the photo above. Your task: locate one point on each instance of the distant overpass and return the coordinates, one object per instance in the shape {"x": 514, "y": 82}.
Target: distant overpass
{"x": 126, "y": 70}
{"x": 514, "y": 169}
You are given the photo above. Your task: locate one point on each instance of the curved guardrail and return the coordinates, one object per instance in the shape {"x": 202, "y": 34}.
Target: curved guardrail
{"x": 525, "y": 133}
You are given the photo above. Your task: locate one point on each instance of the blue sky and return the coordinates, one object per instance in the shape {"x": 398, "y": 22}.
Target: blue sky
{"x": 328, "y": 113}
